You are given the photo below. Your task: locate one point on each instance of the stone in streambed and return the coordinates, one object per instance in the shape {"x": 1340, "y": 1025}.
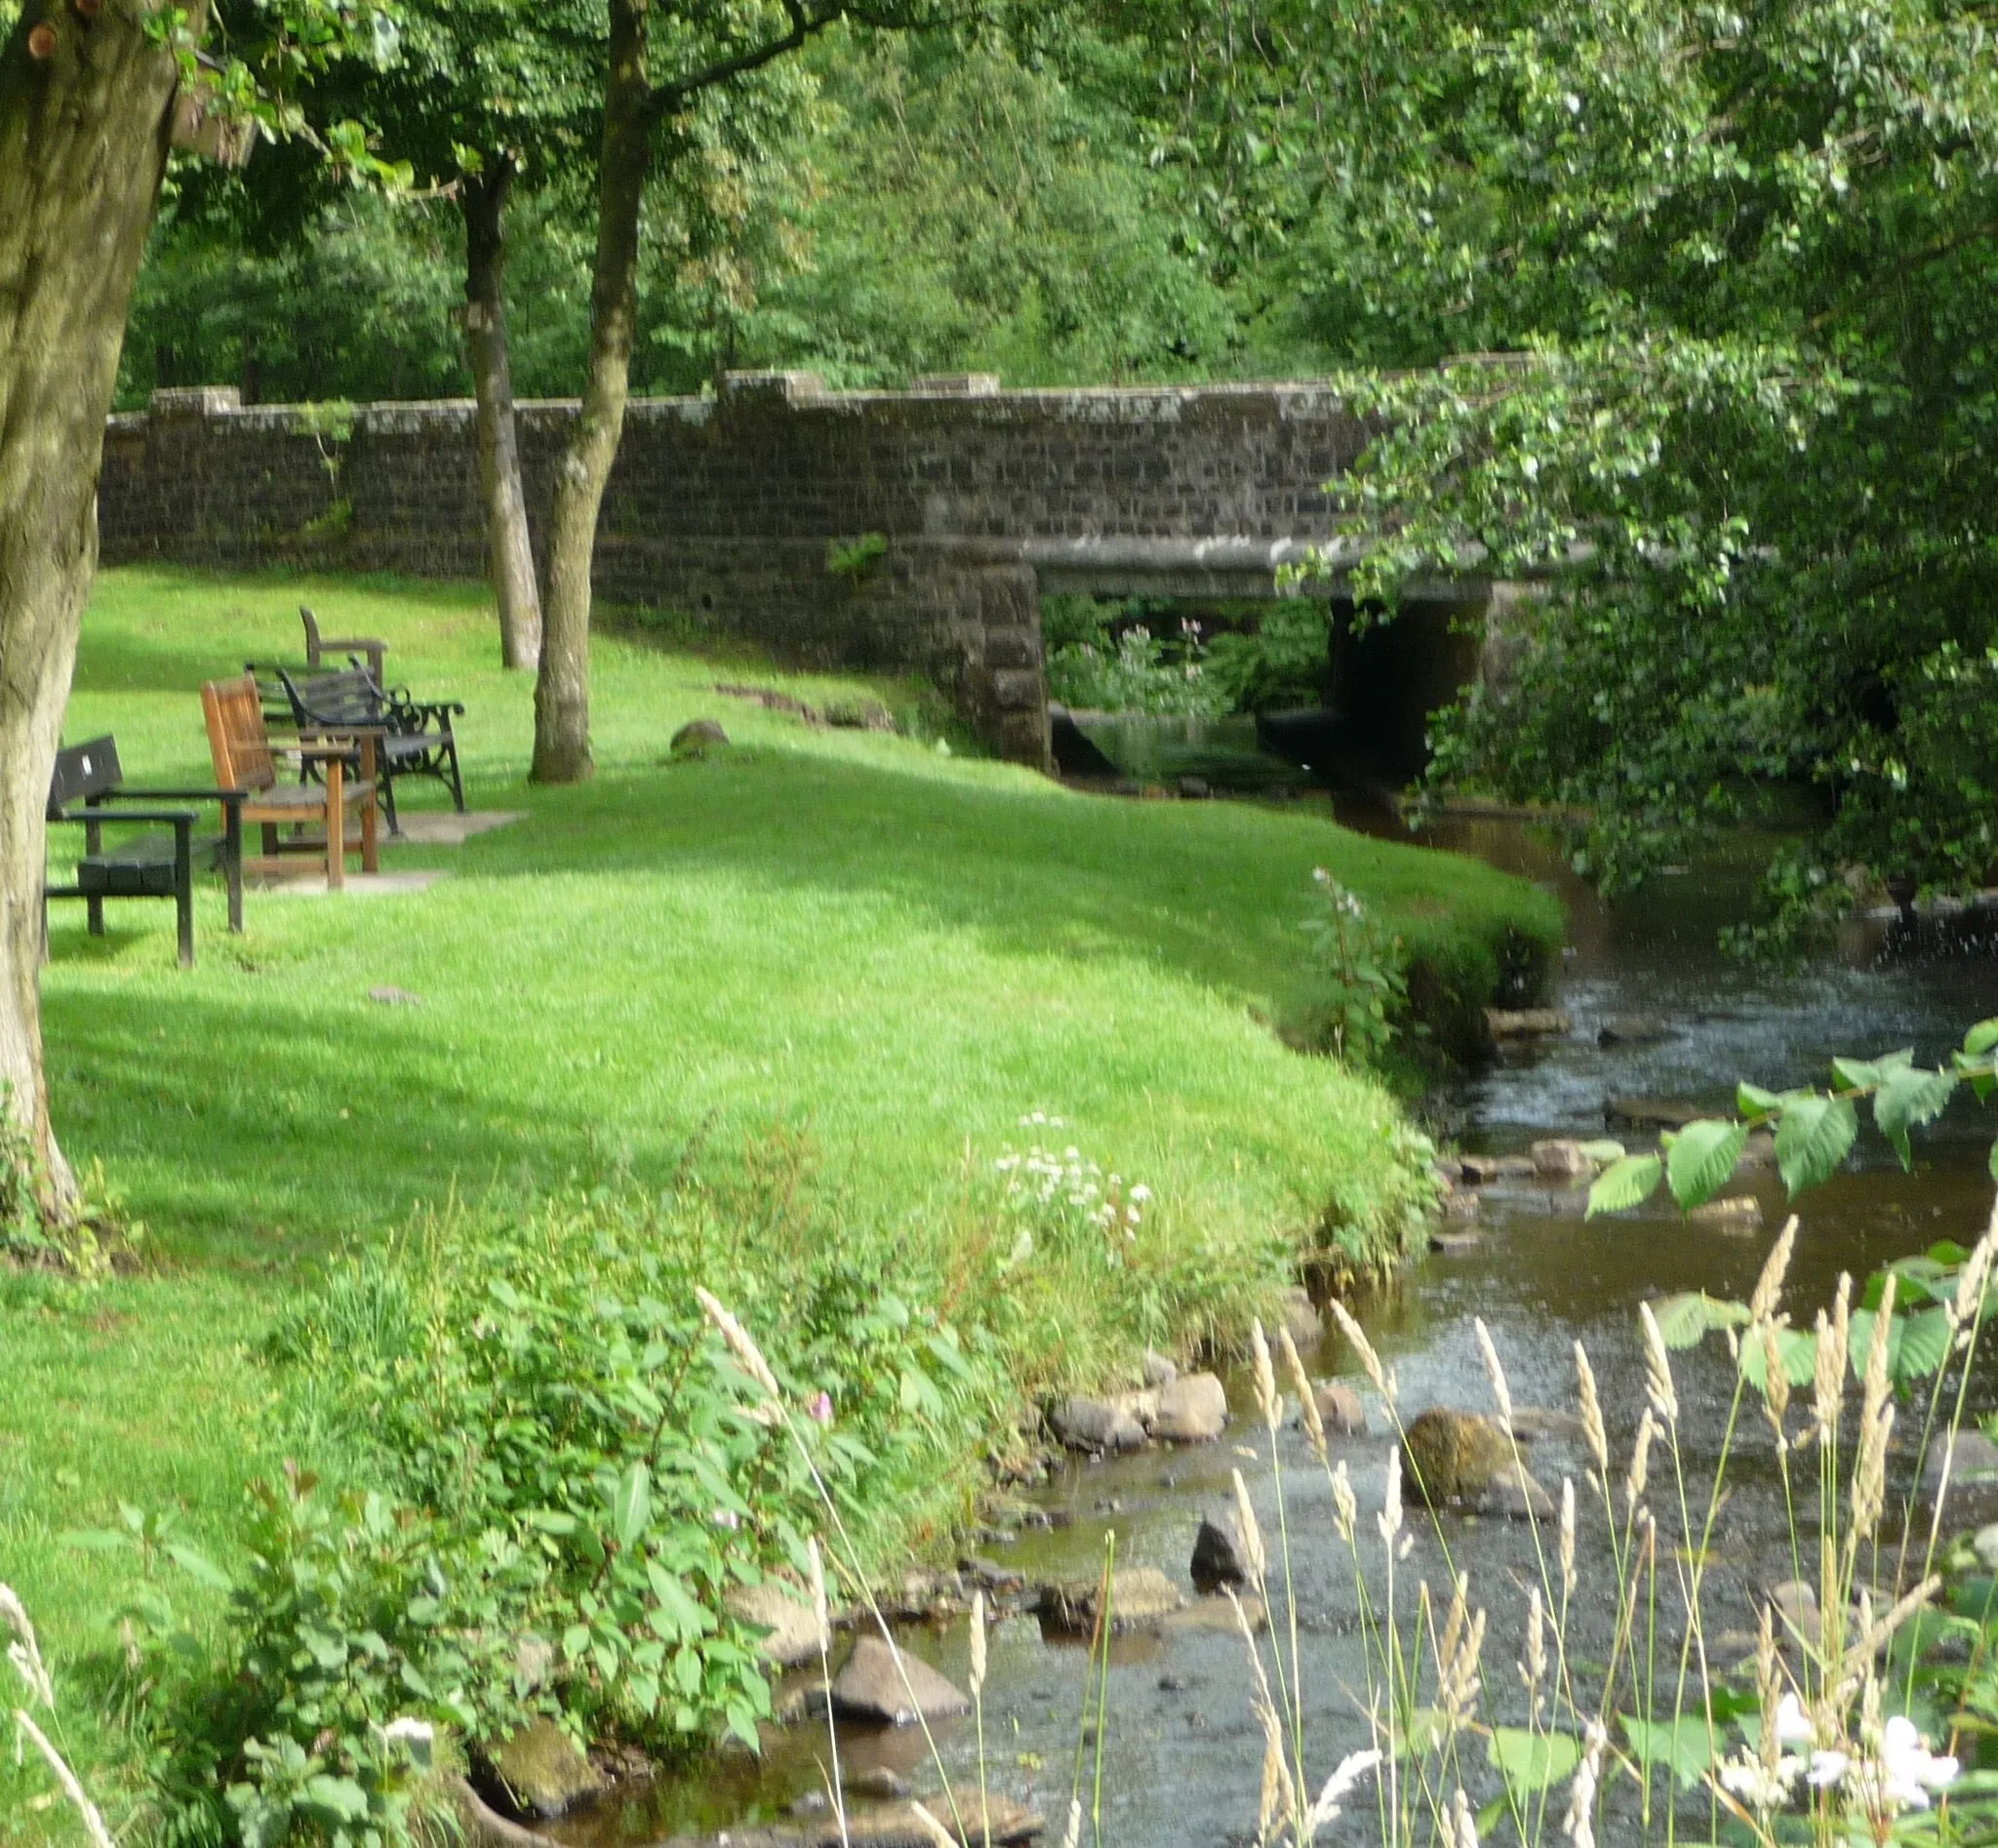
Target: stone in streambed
{"x": 883, "y": 1683}
{"x": 1219, "y": 1557}
{"x": 1094, "y": 1426}
{"x": 1141, "y": 1597}
{"x": 1533, "y": 1023}
{"x": 786, "y": 1613}
{"x": 1562, "y": 1158}
{"x": 1192, "y": 1410}
{"x": 1339, "y": 1409}
{"x": 1462, "y": 1458}
{"x": 1219, "y": 1614}
{"x": 544, "y": 1771}
{"x": 1732, "y": 1212}
{"x": 1514, "y": 1494}
{"x": 1633, "y": 1029}
{"x": 1158, "y": 1369}
{"x": 1300, "y": 1316}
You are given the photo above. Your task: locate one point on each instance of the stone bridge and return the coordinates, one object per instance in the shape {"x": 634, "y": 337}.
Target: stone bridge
{"x": 735, "y": 508}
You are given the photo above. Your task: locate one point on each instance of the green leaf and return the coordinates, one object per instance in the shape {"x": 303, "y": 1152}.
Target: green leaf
{"x": 197, "y": 1565}
{"x": 340, "y": 1799}
{"x": 1923, "y": 1348}
{"x": 1684, "y": 1744}
{"x": 1982, "y": 1038}
{"x": 1855, "y": 1074}
{"x": 1702, "y": 1158}
{"x": 1604, "y": 1150}
{"x": 1797, "y": 1351}
{"x": 632, "y": 1506}
{"x": 95, "y": 1540}
{"x": 1687, "y": 1319}
{"x": 1812, "y": 1140}
{"x": 1625, "y": 1184}
{"x": 1907, "y": 1099}
{"x": 1530, "y": 1761}
{"x": 1751, "y": 1100}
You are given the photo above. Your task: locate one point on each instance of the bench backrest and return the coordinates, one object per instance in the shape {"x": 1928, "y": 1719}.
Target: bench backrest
{"x": 84, "y": 770}
{"x": 311, "y": 623}
{"x": 349, "y": 698}
{"x": 237, "y": 740}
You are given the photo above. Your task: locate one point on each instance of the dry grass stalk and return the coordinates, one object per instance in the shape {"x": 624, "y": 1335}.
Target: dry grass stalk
{"x": 1346, "y": 1504}
{"x": 932, "y": 1828}
{"x": 93, "y": 1821}
{"x": 1592, "y": 1428}
{"x": 1658, "y": 1368}
{"x": 1502, "y": 1393}
{"x": 1307, "y": 1400}
{"x": 1268, "y": 1400}
{"x": 24, "y": 1652}
{"x": 1370, "y": 1362}
{"x": 1639, "y": 1472}
{"x": 748, "y": 1354}
{"x": 1770, "y": 1285}
{"x": 1566, "y": 1537}
{"x": 1251, "y": 1533}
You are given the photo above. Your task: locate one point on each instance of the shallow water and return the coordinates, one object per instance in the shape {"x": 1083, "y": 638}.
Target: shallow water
{"x": 1181, "y": 1755}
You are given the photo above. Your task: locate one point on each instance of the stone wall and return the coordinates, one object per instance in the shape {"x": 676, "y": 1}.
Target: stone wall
{"x": 726, "y": 507}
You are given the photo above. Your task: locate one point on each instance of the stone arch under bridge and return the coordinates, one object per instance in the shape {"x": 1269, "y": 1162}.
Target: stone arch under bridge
{"x": 954, "y": 508}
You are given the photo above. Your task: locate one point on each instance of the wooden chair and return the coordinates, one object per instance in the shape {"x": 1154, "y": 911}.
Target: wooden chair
{"x": 244, "y": 760}
{"x": 318, "y": 645}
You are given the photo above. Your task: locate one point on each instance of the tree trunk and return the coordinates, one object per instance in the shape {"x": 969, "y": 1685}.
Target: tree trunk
{"x": 562, "y": 690}
{"x": 513, "y": 558}
{"x": 84, "y": 121}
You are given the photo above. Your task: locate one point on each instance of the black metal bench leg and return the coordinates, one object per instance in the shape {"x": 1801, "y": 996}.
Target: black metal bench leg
{"x": 95, "y": 909}
{"x": 184, "y": 888}
{"x": 456, "y": 781}
{"x": 232, "y": 858}
{"x": 387, "y": 795}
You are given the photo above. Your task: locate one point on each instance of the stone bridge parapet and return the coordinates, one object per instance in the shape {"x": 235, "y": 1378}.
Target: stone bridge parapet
{"x": 736, "y": 510}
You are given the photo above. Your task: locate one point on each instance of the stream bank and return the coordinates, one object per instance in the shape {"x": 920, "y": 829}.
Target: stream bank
{"x": 1181, "y": 1753}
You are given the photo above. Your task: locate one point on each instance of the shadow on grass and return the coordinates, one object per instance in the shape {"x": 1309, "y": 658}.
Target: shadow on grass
{"x": 1214, "y": 891}
{"x": 262, "y": 1130}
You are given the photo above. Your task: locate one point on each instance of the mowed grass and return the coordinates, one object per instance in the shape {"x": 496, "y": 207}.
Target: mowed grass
{"x": 854, "y": 943}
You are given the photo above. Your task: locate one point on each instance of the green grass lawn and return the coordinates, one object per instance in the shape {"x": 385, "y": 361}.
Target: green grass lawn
{"x": 860, "y": 945}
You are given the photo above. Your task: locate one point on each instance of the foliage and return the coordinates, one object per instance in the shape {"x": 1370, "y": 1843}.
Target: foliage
{"x": 1103, "y": 655}
{"x": 1360, "y": 980}
{"x": 562, "y": 1462}
{"x": 855, "y": 559}
{"x": 1734, "y": 281}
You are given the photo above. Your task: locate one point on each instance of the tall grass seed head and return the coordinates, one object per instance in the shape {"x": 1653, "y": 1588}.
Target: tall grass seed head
{"x": 978, "y": 1638}
{"x": 1566, "y": 1537}
{"x": 748, "y": 1356}
{"x": 1307, "y": 1400}
{"x": 1658, "y": 1368}
{"x": 1370, "y": 1362}
{"x": 1251, "y": 1533}
{"x": 1769, "y": 1287}
{"x": 822, "y": 1613}
{"x": 1638, "y": 1474}
{"x": 1592, "y": 1428}
{"x": 1267, "y": 1399}
{"x": 1502, "y": 1393}
{"x": 1389, "y": 1517}
{"x": 1346, "y": 1504}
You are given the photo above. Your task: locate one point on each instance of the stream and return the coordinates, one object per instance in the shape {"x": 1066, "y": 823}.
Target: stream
{"x": 1181, "y": 1755}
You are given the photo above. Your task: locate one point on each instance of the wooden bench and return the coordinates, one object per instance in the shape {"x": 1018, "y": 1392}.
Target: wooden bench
{"x": 245, "y": 760}
{"x": 155, "y": 865}
{"x": 413, "y": 737}
{"x": 318, "y": 645}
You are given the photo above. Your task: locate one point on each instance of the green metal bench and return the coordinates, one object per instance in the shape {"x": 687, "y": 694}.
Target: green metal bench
{"x": 155, "y": 866}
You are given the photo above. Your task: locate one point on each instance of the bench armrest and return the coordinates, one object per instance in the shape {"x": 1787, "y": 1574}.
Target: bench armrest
{"x": 180, "y": 818}
{"x": 225, "y": 796}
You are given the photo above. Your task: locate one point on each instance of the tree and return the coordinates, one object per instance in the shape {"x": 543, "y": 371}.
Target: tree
{"x": 1731, "y": 274}
{"x": 89, "y": 99}
{"x": 706, "y": 52}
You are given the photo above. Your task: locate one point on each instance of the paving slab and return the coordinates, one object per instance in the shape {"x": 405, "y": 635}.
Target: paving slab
{"x": 434, "y": 827}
